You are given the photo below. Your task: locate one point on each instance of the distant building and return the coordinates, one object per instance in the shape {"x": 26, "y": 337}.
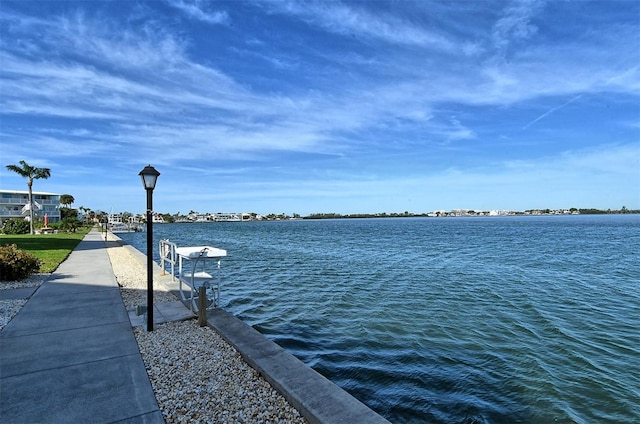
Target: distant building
{"x": 15, "y": 204}
{"x": 156, "y": 218}
{"x": 227, "y": 217}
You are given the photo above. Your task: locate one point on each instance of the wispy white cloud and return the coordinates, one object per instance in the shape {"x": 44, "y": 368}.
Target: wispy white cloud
{"x": 95, "y": 39}
{"x": 180, "y": 86}
{"x": 349, "y": 20}
{"x": 197, "y": 9}
{"x": 516, "y": 22}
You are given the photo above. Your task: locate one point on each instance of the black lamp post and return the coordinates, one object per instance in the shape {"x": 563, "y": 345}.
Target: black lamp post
{"x": 149, "y": 177}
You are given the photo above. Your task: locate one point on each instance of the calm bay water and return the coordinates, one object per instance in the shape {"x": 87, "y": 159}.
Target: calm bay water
{"x": 446, "y": 320}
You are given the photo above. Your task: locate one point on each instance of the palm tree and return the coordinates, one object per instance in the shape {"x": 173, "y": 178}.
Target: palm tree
{"x": 67, "y": 199}
{"x": 31, "y": 173}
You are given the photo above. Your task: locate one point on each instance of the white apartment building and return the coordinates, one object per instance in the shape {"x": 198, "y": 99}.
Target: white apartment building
{"x": 15, "y": 204}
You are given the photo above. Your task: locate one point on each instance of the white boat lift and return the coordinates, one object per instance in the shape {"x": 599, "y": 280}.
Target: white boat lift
{"x": 198, "y": 267}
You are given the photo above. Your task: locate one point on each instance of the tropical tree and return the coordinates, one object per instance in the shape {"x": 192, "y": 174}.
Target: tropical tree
{"x": 126, "y": 216}
{"x": 31, "y": 173}
{"x": 67, "y": 199}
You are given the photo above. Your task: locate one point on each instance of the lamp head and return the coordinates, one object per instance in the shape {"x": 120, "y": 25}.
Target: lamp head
{"x": 149, "y": 177}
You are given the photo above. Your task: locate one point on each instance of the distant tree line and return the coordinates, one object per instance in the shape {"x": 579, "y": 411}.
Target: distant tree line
{"x": 592, "y": 211}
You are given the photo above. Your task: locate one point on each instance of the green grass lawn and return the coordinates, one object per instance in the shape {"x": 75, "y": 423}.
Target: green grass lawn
{"x": 51, "y": 249}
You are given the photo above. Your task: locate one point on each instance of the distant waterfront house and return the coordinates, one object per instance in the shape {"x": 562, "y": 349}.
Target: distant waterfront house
{"x": 157, "y": 218}
{"x": 227, "y": 217}
{"x": 15, "y": 204}
{"x": 118, "y": 219}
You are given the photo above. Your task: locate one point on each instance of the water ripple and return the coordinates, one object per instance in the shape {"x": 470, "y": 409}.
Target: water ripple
{"x": 504, "y": 320}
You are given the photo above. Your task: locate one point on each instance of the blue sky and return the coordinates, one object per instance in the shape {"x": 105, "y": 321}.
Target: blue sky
{"x": 305, "y": 107}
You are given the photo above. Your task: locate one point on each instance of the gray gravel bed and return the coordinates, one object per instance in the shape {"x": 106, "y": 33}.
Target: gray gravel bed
{"x": 10, "y": 307}
{"x": 196, "y": 376}
{"x": 132, "y": 279}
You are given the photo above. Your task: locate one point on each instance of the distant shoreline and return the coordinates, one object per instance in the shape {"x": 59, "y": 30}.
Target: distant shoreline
{"x": 473, "y": 213}
{"x": 195, "y": 217}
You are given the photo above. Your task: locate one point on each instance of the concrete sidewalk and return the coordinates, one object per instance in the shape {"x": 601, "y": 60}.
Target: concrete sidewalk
{"x": 70, "y": 356}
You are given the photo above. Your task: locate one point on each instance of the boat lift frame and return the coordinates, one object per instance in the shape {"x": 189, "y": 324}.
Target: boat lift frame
{"x": 198, "y": 266}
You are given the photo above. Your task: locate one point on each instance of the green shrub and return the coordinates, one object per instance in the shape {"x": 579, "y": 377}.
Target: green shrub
{"x": 69, "y": 224}
{"x": 16, "y": 264}
{"x": 16, "y": 226}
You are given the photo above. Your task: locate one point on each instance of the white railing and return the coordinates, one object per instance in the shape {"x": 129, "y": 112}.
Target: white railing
{"x": 168, "y": 255}
{"x": 22, "y": 201}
